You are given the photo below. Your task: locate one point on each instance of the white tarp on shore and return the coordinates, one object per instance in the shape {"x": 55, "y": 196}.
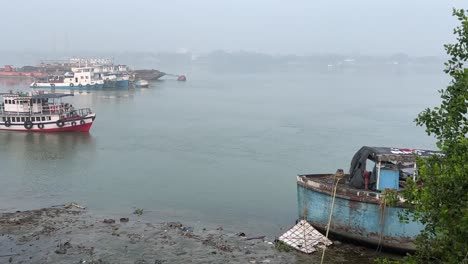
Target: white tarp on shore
{"x": 304, "y": 237}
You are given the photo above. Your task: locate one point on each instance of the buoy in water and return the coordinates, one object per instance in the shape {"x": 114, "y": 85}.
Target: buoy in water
{"x": 181, "y": 78}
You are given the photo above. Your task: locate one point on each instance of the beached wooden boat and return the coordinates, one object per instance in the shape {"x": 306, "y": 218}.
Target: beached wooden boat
{"x": 360, "y": 211}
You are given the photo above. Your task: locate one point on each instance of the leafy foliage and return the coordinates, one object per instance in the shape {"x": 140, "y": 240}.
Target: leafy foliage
{"x": 282, "y": 247}
{"x": 138, "y": 211}
{"x": 440, "y": 193}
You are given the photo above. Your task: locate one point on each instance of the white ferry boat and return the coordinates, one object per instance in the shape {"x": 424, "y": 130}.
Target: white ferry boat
{"x": 79, "y": 78}
{"x": 42, "y": 112}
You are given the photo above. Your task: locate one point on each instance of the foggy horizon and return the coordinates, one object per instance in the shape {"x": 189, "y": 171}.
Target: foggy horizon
{"x": 365, "y": 27}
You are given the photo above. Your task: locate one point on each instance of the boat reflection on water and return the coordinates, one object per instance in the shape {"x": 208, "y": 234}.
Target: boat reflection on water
{"x": 45, "y": 146}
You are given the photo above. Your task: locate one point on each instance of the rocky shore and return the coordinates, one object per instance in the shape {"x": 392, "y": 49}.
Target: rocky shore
{"x": 71, "y": 234}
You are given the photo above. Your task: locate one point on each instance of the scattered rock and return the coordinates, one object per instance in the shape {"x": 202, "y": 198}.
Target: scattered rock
{"x": 109, "y": 221}
{"x": 61, "y": 251}
{"x": 241, "y": 234}
{"x": 124, "y": 219}
{"x": 67, "y": 245}
{"x": 62, "y": 248}
{"x": 174, "y": 224}
{"x": 187, "y": 229}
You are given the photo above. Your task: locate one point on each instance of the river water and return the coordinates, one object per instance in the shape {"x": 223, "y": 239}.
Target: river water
{"x": 219, "y": 149}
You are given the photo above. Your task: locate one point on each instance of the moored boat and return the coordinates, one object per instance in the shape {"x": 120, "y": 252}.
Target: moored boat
{"x": 79, "y": 78}
{"x": 42, "y": 112}
{"x": 360, "y": 208}
{"x": 123, "y": 80}
{"x": 141, "y": 84}
{"x": 113, "y": 75}
{"x": 151, "y": 75}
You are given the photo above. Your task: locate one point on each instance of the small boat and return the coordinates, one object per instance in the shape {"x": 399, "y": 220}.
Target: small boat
{"x": 360, "y": 211}
{"x": 42, "y": 112}
{"x": 79, "y": 78}
{"x": 141, "y": 84}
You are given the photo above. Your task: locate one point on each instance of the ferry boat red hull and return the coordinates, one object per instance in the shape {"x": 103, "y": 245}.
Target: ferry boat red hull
{"x": 29, "y": 112}
{"x": 78, "y": 128}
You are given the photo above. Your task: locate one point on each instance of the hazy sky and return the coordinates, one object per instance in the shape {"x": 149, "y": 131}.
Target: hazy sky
{"x": 417, "y": 27}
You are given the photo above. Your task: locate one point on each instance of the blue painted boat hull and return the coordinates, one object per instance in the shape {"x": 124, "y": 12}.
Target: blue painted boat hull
{"x": 122, "y": 83}
{"x": 109, "y": 84}
{"x": 357, "y": 220}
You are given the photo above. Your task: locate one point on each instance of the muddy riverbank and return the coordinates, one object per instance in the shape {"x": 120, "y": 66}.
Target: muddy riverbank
{"x": 73, "y": 235}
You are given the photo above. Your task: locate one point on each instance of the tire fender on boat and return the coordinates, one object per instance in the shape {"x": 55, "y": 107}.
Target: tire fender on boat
{"x": 71, "y": 85}
{"x": 40, "y": 126}
{"x": 35, "y": 85}
{"x": 28, "y": 124}
{"x": 60, "y": 123}
{"x": 8, "y": 123}
{"x": 88, "y": 85}
{"x": 73, "y": 123}
{"x": 80, "y": 85}
{"x": 82, "y": 122}
{"x": 52, "y": 85}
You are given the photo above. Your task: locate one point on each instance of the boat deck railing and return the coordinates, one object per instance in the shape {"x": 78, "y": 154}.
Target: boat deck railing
{"x": 50, "y": 109}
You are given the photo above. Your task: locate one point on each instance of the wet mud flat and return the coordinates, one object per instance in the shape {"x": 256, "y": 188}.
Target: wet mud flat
{"x": 73, "y": 235}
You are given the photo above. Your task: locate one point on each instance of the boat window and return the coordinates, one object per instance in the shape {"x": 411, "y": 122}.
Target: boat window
{"x": 22, "y": 119}
{"x": 17, "y": 119}
{"x": 4, "y": 119}
{"x": 33, "y": 119}
{"x": 6, "y": 101}
{"x": 81, "y": 77}
{"x": 49, "y": 118}
{"x": 43, "y": 118}
{"x": 8, "y": 118}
